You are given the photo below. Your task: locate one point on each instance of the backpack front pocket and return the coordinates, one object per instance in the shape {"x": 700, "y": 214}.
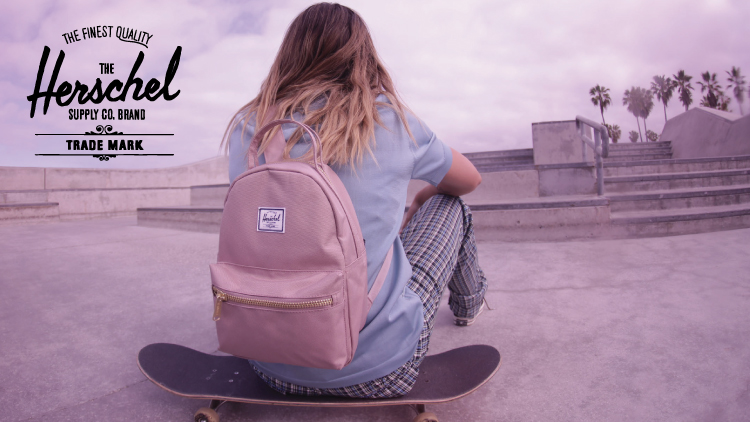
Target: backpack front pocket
{"x": 299, "y": 319}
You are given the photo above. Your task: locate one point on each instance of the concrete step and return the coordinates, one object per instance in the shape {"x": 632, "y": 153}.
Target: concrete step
{"x": 628, "y": 168}
{"x": 542, "y": 203}
{"x": 640, "y": 145}
{"x": 538, "y": 219}
{"x": 527, "y": 152}
{"x": 680, "y": 198}
{"x": 208, "y": 195}
{"x": 489, "y": 168}
{"x": 514, "y": 159}
{"x": 679, "y": 221}
{"x": 637, "y": 157}
{"x": 191, "y": 218}
{"x": 550, "y": 218}
{"x": 502, "y": 160}
{"x": 29, "y": 213}
{"x": 23, "y": 196}
{"x": 542, "y": 219}
{"x": 651, "y": 182}
{"x": 649, "y": 151}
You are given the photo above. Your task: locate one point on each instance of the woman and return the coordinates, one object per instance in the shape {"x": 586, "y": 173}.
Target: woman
{"x": 328, "y": 75}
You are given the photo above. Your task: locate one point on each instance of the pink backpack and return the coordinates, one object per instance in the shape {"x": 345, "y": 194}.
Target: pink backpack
{"x": 290, "y": 282}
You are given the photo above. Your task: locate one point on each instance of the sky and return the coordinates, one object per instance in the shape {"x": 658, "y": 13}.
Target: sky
{"x": 478, "y": 73}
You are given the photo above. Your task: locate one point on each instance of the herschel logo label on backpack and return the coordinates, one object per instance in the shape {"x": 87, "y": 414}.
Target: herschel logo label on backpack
{"x": 271, "y": 220}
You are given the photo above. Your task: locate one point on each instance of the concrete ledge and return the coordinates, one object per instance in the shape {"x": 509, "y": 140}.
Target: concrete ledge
{"x": 495, "y": 186}
{"x": 626, "y": 168}
{"x": 541, "y": 224}
{"x": 635, "y": 145}
{"x": 30, "y": 204}
{"x": 541, "y": 203}
{"x": 212, "y": 170}
{"x": 97, "y": 203}
{"x": 685, "y": 214}
{"x": 683, "y": 193}
{"x": 206, "y": 220}
{"x": 504, "y": 185}
{"x": 22, "y": 196}
{"x": 677, "y": 161}
{"x": 685, "y": 180}
{"x": 21, "y": 178}
{"x": 574, "y": 180}
{"x": 94, "y": 203}
{"x": 29, "y": 213}
{"x": 652, "y": 150}
{"x": 626, "y": 145}
{"x": 564, "y": 166}
{"x": 669, "y": 201}
{"x": 508, "y": 160}
{"x": 494, "y": 168}
{"x": 189, "y": 208}
{"x": 676, "y": 176}
{"x": 639, "y": 157}
{"x": 526, "y": 152}
{"x": 687, "y": 221}
{"x": 212, "y": 195}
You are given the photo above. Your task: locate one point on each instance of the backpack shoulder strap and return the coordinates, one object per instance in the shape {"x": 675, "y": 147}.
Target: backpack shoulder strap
{"x": 373, "y": 293}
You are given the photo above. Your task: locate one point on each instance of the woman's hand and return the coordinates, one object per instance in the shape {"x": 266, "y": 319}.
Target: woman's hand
{"x": 461, "y": 179}
{"x": 420, "y": 198}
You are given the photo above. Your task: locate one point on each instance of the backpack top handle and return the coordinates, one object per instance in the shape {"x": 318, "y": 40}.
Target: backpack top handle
{"x": 278, "y": 142}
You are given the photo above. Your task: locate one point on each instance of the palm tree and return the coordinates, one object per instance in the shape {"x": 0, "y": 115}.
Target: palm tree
{"x": 600, "y": 97}
{"x": 737, "y": 82}
{"x": 722, "y": 102}
{"x": 640, "y": 102}
{"x": 647, "y": 104}
{"x": 614, "y": 131}
{"x": 634, "y": 101}
{"x": 710, "y": 84}
{"x": 663, "y": 89}
{"x": 683, "y": 87}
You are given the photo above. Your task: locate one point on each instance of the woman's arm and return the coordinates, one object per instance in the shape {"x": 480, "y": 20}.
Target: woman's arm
{"x": 462, "y": 178}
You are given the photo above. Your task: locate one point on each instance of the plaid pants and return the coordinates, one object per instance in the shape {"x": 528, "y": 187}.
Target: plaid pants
{"x": 439, "y": 243}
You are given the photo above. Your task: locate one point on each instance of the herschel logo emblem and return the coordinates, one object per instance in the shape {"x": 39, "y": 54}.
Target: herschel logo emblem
{"x": 271, "y": 220}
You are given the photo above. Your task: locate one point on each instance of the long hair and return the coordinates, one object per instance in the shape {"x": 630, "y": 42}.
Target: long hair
{"x": 327, "y": 69}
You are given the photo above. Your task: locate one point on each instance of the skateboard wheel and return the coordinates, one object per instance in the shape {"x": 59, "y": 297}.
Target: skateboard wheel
{"x": 426, "y": 417}
{"x": 204, "y": 414}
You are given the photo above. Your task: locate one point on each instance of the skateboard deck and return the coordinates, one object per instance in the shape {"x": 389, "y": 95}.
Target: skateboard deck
{"x": 189, "y": 373}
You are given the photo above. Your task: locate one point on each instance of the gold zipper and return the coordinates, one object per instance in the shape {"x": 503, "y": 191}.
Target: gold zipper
{"x": 224, "y": 297}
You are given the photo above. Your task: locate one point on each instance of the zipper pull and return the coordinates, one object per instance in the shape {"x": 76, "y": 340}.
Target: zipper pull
{"x": 220, "y": 298}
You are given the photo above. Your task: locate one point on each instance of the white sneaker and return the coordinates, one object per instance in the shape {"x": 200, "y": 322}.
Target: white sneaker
{"x": 464, "y": 321}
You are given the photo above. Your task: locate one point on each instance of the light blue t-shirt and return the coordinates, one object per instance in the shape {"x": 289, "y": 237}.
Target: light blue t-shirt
{"x": 378, "y": 192}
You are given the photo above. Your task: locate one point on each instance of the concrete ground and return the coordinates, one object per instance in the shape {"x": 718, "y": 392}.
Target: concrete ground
{"x": 617, "y": 330}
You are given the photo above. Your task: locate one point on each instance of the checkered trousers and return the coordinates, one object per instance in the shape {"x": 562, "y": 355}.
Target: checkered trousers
{"x": 439, "y": 243}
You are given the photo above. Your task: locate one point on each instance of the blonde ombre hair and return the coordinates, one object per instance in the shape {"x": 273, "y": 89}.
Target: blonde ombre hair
{"x": 327, "y": 69}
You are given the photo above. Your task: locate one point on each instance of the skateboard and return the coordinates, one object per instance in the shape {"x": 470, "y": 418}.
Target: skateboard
{"x": 220, "y": 379}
